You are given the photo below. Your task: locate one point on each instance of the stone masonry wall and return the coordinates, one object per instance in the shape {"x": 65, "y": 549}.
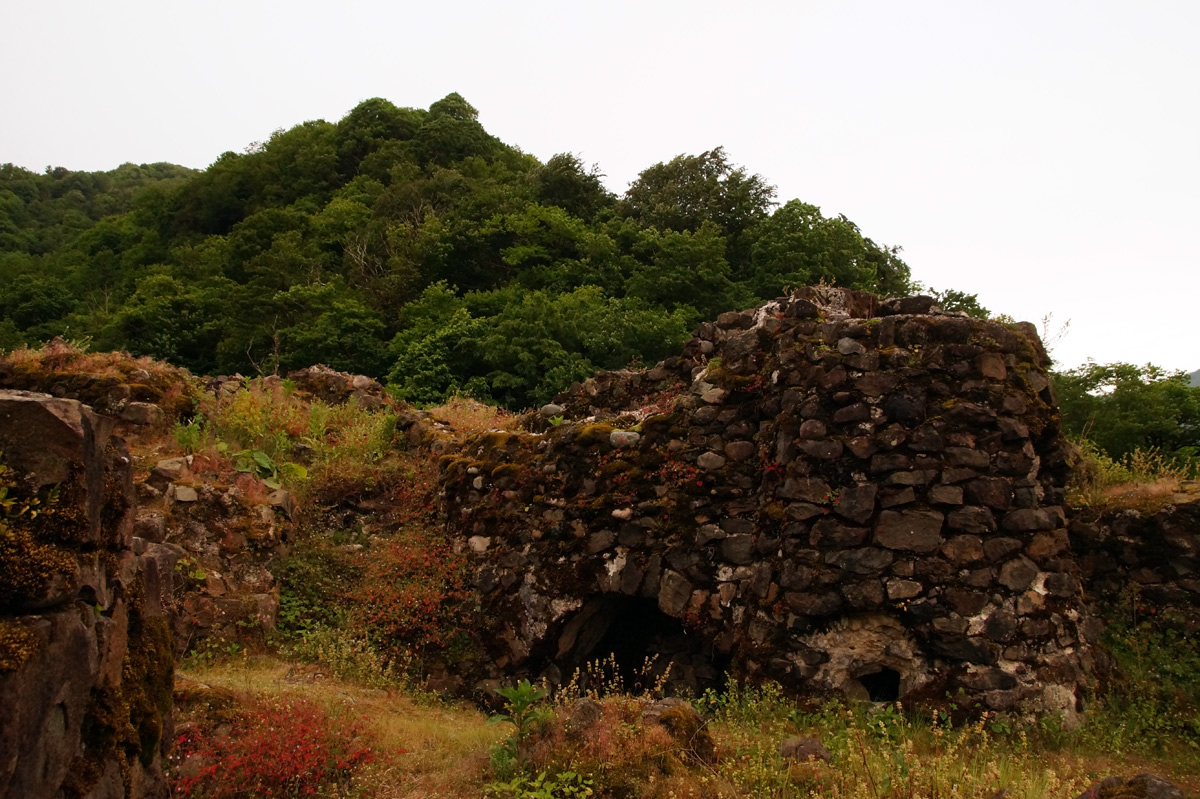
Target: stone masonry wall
{"x": 1150, "y": 558}
{"x": 85, "y": 652}
{"x": 821, "y": 491}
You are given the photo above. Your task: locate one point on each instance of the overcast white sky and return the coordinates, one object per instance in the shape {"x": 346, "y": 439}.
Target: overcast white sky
{"x": 1045, "y": 155}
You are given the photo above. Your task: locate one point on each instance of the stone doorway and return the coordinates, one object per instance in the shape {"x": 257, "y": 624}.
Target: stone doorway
{"x": 871, "y": 657}
{"x": 638, "y": 646}
{"x": 882, "y": 685}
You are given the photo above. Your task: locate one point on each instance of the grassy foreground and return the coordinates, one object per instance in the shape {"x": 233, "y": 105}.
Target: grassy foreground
{"x": 262, "y": 726}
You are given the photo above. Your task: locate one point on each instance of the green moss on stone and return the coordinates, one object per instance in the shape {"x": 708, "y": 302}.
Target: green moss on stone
{"x": 593, "y": 434}
{"x": 496, "y": 440}
{"x": 28, "y": 567}
{"x": 722, "y": 377}
{"x": 659, "y": 421}
{"x": 125, "y": 722}
{"x": 18, "y": 643}
{"x": 507, "y": 470}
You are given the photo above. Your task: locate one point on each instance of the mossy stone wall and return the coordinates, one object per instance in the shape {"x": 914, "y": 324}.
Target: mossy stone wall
{"x": 822, "y": 489}
{"x": 86, "y": 669}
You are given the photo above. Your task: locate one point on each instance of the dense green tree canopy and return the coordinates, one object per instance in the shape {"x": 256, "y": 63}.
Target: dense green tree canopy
{"x": 408, "y": 243}
{"x": 1122, "y": 407}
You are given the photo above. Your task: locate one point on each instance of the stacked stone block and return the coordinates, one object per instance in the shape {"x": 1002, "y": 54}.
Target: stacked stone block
{"x": 826, "y": 488}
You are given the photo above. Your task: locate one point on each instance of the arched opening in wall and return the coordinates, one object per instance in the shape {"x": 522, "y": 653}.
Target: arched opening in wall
{"x": 636, "y": 646}
{"x": 882, "y": 685}
{"x": 870, "y": 657}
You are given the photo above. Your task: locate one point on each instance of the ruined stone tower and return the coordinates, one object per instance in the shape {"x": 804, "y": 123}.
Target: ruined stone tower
{"x": 840, "y": 493}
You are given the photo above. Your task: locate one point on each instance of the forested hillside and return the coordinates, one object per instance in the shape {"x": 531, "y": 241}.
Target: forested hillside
{"x": 412, "y": 245}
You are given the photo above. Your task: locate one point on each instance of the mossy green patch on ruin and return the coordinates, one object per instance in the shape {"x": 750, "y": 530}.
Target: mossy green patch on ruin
{"x": 18, "y": 643}
{"x": 593, "y": 434}
{"x": 29, "y": 568}
{"x": 125, "y": 722}
{"x": 116, "y": 500}
{"x": 513, "y": 470}
{"x": 659, "y": 422}
{"x": 724, "y": 378}
{"x": 496, "y": 440}
{"x": 140, "y": 392}
{"x": 457, "y": 464}
{"x": 615, "y": 467}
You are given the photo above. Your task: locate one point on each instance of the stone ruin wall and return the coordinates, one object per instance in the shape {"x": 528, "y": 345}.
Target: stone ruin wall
{"x": 1145, "y": 561}
{"x": 96, "y": 596}
{"x": 216, "y": 541}
{"x": 85, "y": 653}
{"x": 825, "y": 491}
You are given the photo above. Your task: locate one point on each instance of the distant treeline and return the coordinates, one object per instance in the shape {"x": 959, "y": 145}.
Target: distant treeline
{"x": 410, "y": 245}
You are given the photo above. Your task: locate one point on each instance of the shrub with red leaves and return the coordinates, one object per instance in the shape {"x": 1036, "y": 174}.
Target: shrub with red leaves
{"x": 416, "y": 592}
{"x": 280, "y": 748}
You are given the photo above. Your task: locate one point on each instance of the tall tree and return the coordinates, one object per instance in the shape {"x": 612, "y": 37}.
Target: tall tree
{"x": 563, "y": 181}
{"x": 1122, "y": 407}
{"x": 690, "y": 190}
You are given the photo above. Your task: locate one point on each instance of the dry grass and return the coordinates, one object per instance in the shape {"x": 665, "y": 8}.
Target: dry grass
{"x": 1143, "y": 480}
{"x": 58, "y": 356}
{"x": 467, "y": 417}
{"x": 886, "y": 756}
{"x": 426, "y": 748}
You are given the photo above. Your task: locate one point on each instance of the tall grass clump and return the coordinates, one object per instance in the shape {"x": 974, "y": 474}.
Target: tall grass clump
{"x": 351, "y": 658}
{"x": 1143, "y": 477}
{"x": 876, "y": 751}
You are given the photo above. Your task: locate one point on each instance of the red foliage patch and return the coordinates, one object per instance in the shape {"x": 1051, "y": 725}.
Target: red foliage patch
{"x": 280, "y": 748}
{"x": 416, "y": 592}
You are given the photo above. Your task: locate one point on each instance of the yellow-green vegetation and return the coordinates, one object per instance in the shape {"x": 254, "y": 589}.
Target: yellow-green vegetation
{"x": 877, "y": 751}
{"x": 14, "y": 505}
{"x": 18, "y": 643}
{"x": 1142, "y": 479}
{"x": 124, "y": 721}
{"x": 28, "y": 567}
{"x": 428, "y": 747}
{"x": 422, "y": 748}
{"x": 1151, "y": 704}
{"x": 716, "y": 373}
{"x": 352, "y": 659}
{"x": 268, "y": 429}
{"x": 593, "y": 434}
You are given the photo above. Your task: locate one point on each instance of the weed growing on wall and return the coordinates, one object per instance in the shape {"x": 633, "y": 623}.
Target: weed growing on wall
{"x": 1143, "y": 478}
{"x": 326, "y": 453}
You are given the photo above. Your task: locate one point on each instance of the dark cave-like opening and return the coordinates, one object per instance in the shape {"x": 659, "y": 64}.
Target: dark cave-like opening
{"x": 645, "y": 646}
{"x": 882, "y": 685}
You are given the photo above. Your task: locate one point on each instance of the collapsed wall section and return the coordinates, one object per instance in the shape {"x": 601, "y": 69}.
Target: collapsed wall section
{"x": 842, "y": 494}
